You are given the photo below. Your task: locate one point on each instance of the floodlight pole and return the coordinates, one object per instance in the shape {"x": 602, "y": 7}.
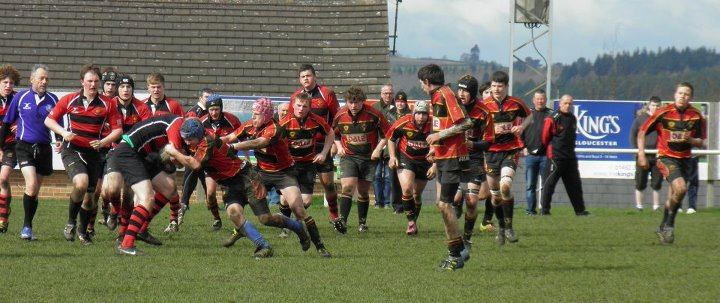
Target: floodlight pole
{"x": 514, "y": 49}
{"x": 394, "y": 35}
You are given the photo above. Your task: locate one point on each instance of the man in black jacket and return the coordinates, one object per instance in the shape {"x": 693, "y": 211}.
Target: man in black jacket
{"x": 559, "y": 139}
{"x": 641, "y": 175}
{"x": 534, "y": 151}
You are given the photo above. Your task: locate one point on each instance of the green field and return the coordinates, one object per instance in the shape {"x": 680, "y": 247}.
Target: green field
{"x": 612, "y": 255}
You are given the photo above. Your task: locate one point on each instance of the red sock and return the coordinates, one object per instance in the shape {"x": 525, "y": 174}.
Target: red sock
{"x": 139, "y": 216}
{"x": 4, "y": 208}
{"x": 332, "y": 206}
{"x": 175, "y": 208}
{"x": 160, "y": 202}
{"x": 124, "y": 216}
{"x": 114, "y": 206}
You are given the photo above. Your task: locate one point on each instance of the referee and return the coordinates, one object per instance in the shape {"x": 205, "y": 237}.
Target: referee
{"x": 29, "y": 109}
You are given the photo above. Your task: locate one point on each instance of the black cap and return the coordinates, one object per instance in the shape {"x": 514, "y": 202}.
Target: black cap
{"x": 470, "y": 84}
{"x": 125, "y": 79}
{"x": 401, "y": 95}
{"x": 109, "y": 76}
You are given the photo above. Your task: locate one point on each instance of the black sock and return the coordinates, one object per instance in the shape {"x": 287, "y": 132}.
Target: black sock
{"x": 84, "y": 216}
{"x": 285, "y": 210}
{"x": 487, "y": 216}
{"x": 409, "y": 207}
{"x": 314, "y": 232}
{"x": 665, "y": 216}
{"x": 363, "y": 207}
{"x": 672, "y": 213}
{"x": 73, "y": 211}
{"x": 345, "y": 206}
{"x": 30, "y": 204}
{"x": 469, "y": 226}
{"x": 455, "y": 246}
{"x": 508, "y": 213}
{"x": 418, "y": 207}
{"x": 498, "y": 210}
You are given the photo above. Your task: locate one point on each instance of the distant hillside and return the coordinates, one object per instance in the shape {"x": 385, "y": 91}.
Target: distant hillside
{"x": 627, "y": 75}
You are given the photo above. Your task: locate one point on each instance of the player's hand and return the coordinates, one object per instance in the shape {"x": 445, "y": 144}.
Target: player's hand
{"x": 376, "y": 154}
{"x": 433, "y": 138}
{"x": 393, "y": 163}
{"x": 97, "y": 144}
{"x": 57, "y": 147}
{"x": 469, "y": 144}
{"x": 517, "y": 129}
{"x": 642, "y": 161}
{"x": 432, "y": 172}
{"x": 431, "y": 156}
{"x": 1, "y": 154}
{"x": 525, "y": 152}
{"x": 319, "y": 158}
{"x": 13, "y": 128}
{"x": 341, "y": 151}
{"x": 68, "y": 136}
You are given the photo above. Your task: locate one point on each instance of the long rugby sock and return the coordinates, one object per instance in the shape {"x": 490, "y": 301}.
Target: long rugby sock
{"x": 418, "y": 207}
{"x": 254, "y": 235}
{"x": 507, "y": 207}
{"x": 672, "y": 213}
{"x": 138, "y": 217}
{"x": 285, "y": 210}
{"x": 487, "y": 216}
{"x": 84, "y": 217}
{"x": 345, "y": 206}
{"x": 469, "y": 225}
{"x": 92, "y": 215}
{"x": 409, "y": 207}
{"x": 500, "y": 214}
{"x": 455, "y": 246}
{"x": 665, "y": 216}
{"x": 30, "y": 203}
{"x": 73, "y": 211}
{"x": 4, "y": 208}
{"x": 314, "y": 232}
{"x": 281, "y": 221}
{"x": 124, "y": 216}
{"x": 175, "y": 208}
{"x": 332, "y": 205}
{"x": 363, "y": 207}
{"x": 160, "y": 202}
{"x": 215, "y": 211}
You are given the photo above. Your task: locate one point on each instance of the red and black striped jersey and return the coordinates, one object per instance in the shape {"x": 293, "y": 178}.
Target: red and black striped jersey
{"x": 223, "y": 126}
{"x": 483, "y": 126}
{"x": 154, "y": 133}
{"x": 132, "y": 113}
{"x": 4, "y": 106}
{"x": 324, "y": 103}
{"x": 674, "y": 128}
{"x": 410, "y": 137}
{"x": 303, "y": 134}
{"x": 196, "y": 110}
{"x": 447, "y": 112}
{"x": 86, "y": 118}
{"x": 505, "y": 116}
{"x": 218, "y": 159}
{"x": 274, "y": 157}
{"x": 359, "y": 135}
{"x": 164, "y": 107}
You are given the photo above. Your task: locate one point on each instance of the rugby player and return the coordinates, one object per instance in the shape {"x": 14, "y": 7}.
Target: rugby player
{"x": 413, "y": 169}
{"x": 449, "y": 151}
{"x": 359, "y": 137}
{"x": 324, "y": 103}
{"x": 87, "y": 112}
{"x": 680, "y": 127}
{"x": 302, "y": 128}
{"x": 9, "y": 77}
{"x": 191, "y": 177}
{"x": 502, "y": 157}
{"x": 270, "y": 143}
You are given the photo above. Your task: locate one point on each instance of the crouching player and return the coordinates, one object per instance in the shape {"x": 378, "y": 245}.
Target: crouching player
{"x": 220, "y": 162}
{"x": 413, "y": 169}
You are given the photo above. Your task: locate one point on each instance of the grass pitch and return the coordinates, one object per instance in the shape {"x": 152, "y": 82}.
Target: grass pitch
{"x": 612, "y": 255}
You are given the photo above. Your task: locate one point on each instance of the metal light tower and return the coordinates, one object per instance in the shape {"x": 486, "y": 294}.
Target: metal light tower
{"x": 394, "y": 35}
{"x": 533, "y": 14}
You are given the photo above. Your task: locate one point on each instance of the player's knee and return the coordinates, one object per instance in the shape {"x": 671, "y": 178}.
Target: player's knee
{"x": 264, "y": 219}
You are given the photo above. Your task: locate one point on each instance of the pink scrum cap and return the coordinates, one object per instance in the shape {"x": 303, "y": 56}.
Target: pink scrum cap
{"x": 264, "y": 107}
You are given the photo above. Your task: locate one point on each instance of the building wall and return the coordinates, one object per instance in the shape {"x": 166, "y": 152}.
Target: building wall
{"x": 236, "y": 47}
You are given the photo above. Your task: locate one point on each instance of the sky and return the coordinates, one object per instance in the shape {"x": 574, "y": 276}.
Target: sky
{"x": 581, "y": 28}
